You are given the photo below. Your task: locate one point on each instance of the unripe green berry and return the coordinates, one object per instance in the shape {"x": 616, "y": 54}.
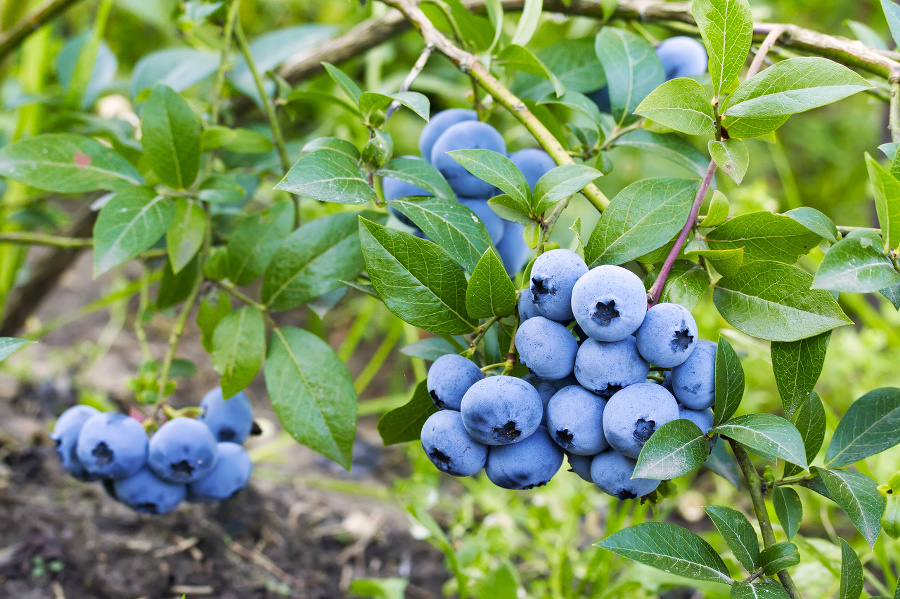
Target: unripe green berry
{"x": 378, "y": 149}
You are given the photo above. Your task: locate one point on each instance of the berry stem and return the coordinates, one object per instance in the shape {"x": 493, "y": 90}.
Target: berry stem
{"x": 410, "y": 78}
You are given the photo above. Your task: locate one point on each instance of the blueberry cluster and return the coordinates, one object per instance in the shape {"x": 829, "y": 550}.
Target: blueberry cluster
{"x": 200, "y": 460}
{"x": 460, "y": 129}
{"x": 589, "y": 341}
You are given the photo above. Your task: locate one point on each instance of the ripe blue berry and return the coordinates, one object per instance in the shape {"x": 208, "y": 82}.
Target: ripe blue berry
{"x": 633, "y": 415}
{"x": 144, "y": 492}
{"x": 394, "y": 188}
{"x": 512, "y": 247}
{"x": 575, "y": 420}
{"x": 467, "y": 135}
{"x": 553, "y": 275}
{"x": 533, "y": 163}
{"x": 668, "y": 335}
{"x": 526, "y": 465}
{"x": 183, "y": 450}
{"x": 612, "y": 473}
{"x": 65, "y": 436}
{"x": 682, "y": 56}
{"x": 609, "y": 303}
{"x": 546, "y": 347}
{"x": 547, "y": 388}
{"x": 439, "y": 123}
{"x": 229, "y": 419}
{"x": 526, "y": 306}
{"x": 702, "y": 418}
{"x": 230, "y": 475}
{"x": 450, "y": 447}
{"x": 581, "y": 465}
{"x": 112, "y": 446}
{"x": 600, "y": 97}
{"x": 606, "y": 368}
{"x": 501, "y": 410}
{"x": 694, "y": 381}
{"x": 492, "y": 222}
{"x": 449, "y": 378}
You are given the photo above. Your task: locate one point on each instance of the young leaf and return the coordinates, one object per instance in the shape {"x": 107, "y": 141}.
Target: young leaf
{"x": 681, "y": 104}
{"x": 686, "y": 285}
{"x": 171, "y": 137}
{"x": 778, "y": 557}
{"x": 718, "y": 210}
{"x": 210, "y": 312}
{"x": 519, "y": 58}
{"x": 729, "y": 387}
{"x": 185, "y": 235}
{"x": 727, "y": 30}
{"x": 680, "y": 448}
{"x": 765, "y": 589}
{"x": 887, "y": 202}
{"x": 738, "y": 534}
{"x": 496, "y": 169}
{"x": 788, "y": 509}
{"x": 420, "y": 173}
{"x": 797, "y": 366}
{"x": 851, "y": 573}
{"x": 418, "y": 282}
{"x": 329, "y": 176}
{"x": 858, "y": 496}
{"x": 490, "y": 292}
{"x": 369, "y": 102}
{"x": 773, "y": 301}
{"x": 8, "y": 345}
{"x": 727, "y": 262}
{"x": 561, "y": 182}
{"x": 405, "y": 423}
{"x": 239, "y": 345}
{"x": 174, "y": 288}
{"x": 528, "y": 22}
{"x": 892, "y": 13}
{"x": 255, "y": 240}
{"x": 312, "y": 393}
{"x": 815, "y": 221}
{"x": 810, "y": 421}
{"x": 670, "y": 146}
{"x": 132, "y": 221}
{"x": 764, "y": 236}
{"x": 722, "y": 463}
{"x": 856, "y": 265}
{"x": 632, "y": 70}
{"x": 511, "y": 210}
{"x": 767, "y": 435}
{"x": 731, "y": 156}
{"x": 669, "y": 548}
{"x": 871, "y": 425}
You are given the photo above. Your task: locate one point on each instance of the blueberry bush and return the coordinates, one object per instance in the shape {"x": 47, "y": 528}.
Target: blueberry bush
{"x": 246, "y": 180}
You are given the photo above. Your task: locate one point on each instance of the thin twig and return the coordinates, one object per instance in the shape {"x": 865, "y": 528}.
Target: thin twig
{"x": 27, "y": 238}
{"x": 410, "y": 78}
{"x": 844, "y": 230}
{"x": 767, "y": 43}
{"x": 894, "y": 116}
{"x": 13, "y": 38}
{"x": 224, "y": 61}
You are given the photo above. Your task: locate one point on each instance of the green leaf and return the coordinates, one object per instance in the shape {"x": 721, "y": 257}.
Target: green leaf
{"x": 870, "y": 425}
{"x": 8, "y": 345}
{"x": 185, "y": 235}
{"x": 670, "y": 146}
{"x": 500, "y": 583}
{"x": 738, "y": 534}
{"x": 773, "y": 301}
{"x": 686, "y": 285}
{"x": 495, "y": 14}
{"x": 130, "y": 222}
{"x": 680, "y": 448}
{"x": 66, "y": 163}
{"x": 255, "y": 240}
{"x": 778, "y": 557}
{"x": 731, "y": 156}
{"x": 815, "y": 221}
{"x": 767, "y": 435}
{"x": 858, "y": 496}
{"x": 418, "y": 282}
{"x": 101, "y": 75}
{"x": 669, "y": 548}
{"x": 718, "y": 211}
{"x": 312, "y": 393}
{"x": 572, "y": 60}
{"x": 519, "y": 58}
{"x": 379, "y": 588}
{"x": 170, "y": 134}
{"x": 175, "y": 288}
{"x": 764, "y": 236}
{"x": 490, "y": 291}
{"x": 313, "y": 260}
{"x": 239, "y": 345}
{"x": 681, "y": 104}
{"x": 851, "y": 573}
{"x": 496, "y": 169}
{"x": 432, "y": 348}
{"x": 788, "y": 509}
{"x": 727, "y": 262}
{"x": 892, "y": 14}
{"x": 369, "y": 102}
{"x": 856, "y": 265}
{"x": 729, "y": 387}
{"x": 511, "y": 210}
{"x": 797, "y": 366}
{"x": 419, "y": 173}
{"x": 632, "y": 69}
{"x": 561, "y": 182}
{"x": 405, "y": 423}
{"x": 178, "y": 68}
{"x": 342, "y": 146}
{"x": 221, "y": 189}
{"x": 727, "y": 30}
{"x": 892, "y": 294}
{"x": 239, "y": 141}
{"x": 528, "y": 22}
{"x": 575, "y": 101}
{"x": 641, "y": 218}
{"x": 748, "y": 127}
{"x": 451, "y": 225}
{"x": 766, "y": 589}
{"x": 866, "y": 34}
{"x": 329, "y": 176}
{"x": 810, "y": 421}
{"x": 722, "y": 463}
{"x": 212, "y": 309}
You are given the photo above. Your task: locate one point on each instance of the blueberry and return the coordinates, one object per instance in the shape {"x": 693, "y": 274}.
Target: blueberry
{"x": 439, "y": 123}
{"x": 144, "y": 492}
{"x": 492, "y": 222}
{"x": 609, "y": 303}
{"x": 575, "y": 420}
{"x": 512, "y": 247}
{"x": 526, "y": 465}
{"x": 581, "y": 465}
{"x": 449, "y": 378}
{"x": 501, "y": 410}
{"x": 526, "y": 305}
{"x": 682, "y": 56}
{"x": 468, "y": 135}
{"x": 546, "y": 347}
{"x": 694, "y": 381}
{"x": 600, "y": 97}
{"x": 547, "y": 388}
{"x": 533, "y": 163}
{"x": 112, "y": 446}
{"x": 229, "y": 419}
{"x": 606, "y": 368}
{"x": 668, "y": 335}
{"x": 634, "y": 413}
{"x": 612, "y": 473}
{"x": 450, "y": 447}
{"x": 553, "y": 275}
{"x": 230, "y": 475}
{"x": 65, "y": 436}
{"x": 702, "y": 418}
{"x": 183, "y": 450}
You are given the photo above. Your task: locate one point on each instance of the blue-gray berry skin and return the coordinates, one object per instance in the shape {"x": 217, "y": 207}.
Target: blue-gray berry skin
{"x": 395, "y": 188}
{"x": 702, "y": 418}
{"x": 694, "y": 381}
{"x": 231, "y": 474}
{"x": 526, "y": 465}
{"x": 146, "y": 493}
{"x": 501, "y": 410}
{"x": 449, "y": 378}
{"x": 581, "y": 465}
{"x": 668, "y": 335}
{"x": 229, "y": 419}
{"x": 547, "y": 388}
{"x": 609, "y": 303}
{"x": 65, "y": 436}
{"x": 553, "y": 275}
{"x": 450, "y": 447}
{"x": 492, "y": 222}
{"x": 546, "y": 347}
{"x": 467, "y": 135}
{"x": 512, "y": 248}
{"x": 526, "y": 305}
{"x": 575, "y": 420}
{"x": 183, "y": 450}
{"x": 439, "y": 123}
{"x": 633, "y": 414}
{"x": 600, "y": 97}
{"x": 612, "y": 472}
{"x": 606, "y": 368}
{"x": 112, "y": 446}
{"x": 533, "y": 163}
{"x": 682, "y": 56}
